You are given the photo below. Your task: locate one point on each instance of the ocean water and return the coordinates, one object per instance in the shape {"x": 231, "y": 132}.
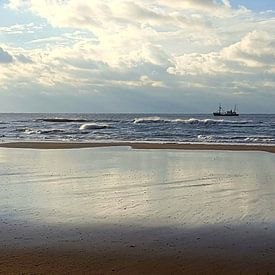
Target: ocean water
{"x": 179, "y": 128}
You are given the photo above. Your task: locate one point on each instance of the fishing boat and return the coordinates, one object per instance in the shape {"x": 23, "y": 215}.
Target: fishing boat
{"x": 221, "y": 112}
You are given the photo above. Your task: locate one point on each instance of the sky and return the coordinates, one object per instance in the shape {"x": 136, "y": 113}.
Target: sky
{"x": 149, "y": 56}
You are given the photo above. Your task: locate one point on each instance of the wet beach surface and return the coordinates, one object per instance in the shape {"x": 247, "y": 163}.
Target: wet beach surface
{"x": 118, "y": 210}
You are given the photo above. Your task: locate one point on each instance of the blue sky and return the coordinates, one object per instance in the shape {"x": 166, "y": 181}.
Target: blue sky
{"x": 256, "y": 5}
{"x": 137, "y": 56}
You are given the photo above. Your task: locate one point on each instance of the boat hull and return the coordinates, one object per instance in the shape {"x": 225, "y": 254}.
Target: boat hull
{"x": 218, "y": 114}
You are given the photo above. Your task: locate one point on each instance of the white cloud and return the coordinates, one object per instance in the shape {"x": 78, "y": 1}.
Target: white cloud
{"x": 154, "y": 43}
{"x": 17, "y": 4}
{"x": 201, "y": 5}
{"x": 143, "y": 81}
{"x": 256, "y": 51}
{"x": 23, "y": 59}
{"x": 20, "y": 28}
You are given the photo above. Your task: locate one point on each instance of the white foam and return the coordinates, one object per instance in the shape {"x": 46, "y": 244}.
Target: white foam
{"x": 156, "y": 119}
{"x": 209, "y": 121}
{"x": 30, "y": 131}
{"x": 151, "y": 119}
{"x": 93, "y": 126}
{"x": 202, "y": 137}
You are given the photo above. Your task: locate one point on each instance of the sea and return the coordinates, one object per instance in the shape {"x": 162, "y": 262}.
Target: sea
{"x": 164, "y": 128}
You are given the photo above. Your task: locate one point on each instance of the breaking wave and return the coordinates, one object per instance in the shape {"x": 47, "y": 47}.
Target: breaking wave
{"x": 30, "y": 131}
{"x": 238, "y": 139}
{"x": 93, "y": 126}
{"x": 205, "y": 137}
{"x": 153, "y": 119}
{"x": 178, "y": 128}
{"x": 188, "y": 121}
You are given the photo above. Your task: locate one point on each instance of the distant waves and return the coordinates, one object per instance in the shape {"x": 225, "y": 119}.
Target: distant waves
{"x": 188, "y": 121}
{"x": 62, "y": 120}
{"x": 246, "y": 129}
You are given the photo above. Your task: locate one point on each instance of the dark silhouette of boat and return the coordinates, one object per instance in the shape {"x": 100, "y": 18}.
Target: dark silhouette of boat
{"x": 226, "y": 113}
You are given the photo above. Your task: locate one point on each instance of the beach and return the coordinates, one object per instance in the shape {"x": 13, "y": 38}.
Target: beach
{"x": 137, "y": 137}
{"x": 140, "y": 145}
{"x": 136, "y": 209}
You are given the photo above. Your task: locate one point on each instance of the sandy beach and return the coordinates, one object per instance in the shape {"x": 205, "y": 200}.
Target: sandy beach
{"x": 124, "y": 211}
{"x": 139, "y": 145}
{"x": 137, "y": 137}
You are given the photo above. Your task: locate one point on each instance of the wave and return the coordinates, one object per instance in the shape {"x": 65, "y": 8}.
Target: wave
{"x": 51, "y": 131}
{"x": 93, "y": 126}
{"x": 260, "y": 139}
{"x": 209, "y": 121}
{"x": 63, "y": 119}
{"x": 206, "y": 121}
{"x": 206, "y": 137}
{"x": 241, "y": 139}
{"x": 154, "y": 119}
{"x": 30, "y": 131}
{"x": 27, "y": 130}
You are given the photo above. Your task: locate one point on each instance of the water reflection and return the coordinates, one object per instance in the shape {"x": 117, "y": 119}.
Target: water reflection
{"x": 147, "y": 187}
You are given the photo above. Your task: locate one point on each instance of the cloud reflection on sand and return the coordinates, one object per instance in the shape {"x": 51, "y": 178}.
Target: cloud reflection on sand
{"x": 124, "y": 186}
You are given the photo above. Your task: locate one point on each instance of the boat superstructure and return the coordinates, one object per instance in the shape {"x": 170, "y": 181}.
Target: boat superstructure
{"x": 221, "y": 112}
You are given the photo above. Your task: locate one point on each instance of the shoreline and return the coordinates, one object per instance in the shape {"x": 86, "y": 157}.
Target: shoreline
{"x": 139, "y": 145}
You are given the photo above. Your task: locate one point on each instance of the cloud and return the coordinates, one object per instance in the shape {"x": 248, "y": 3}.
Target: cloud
{"x": 207, "y": 5}
{"x": 20, "y": 28}
{"x": 187, "y": 46}
{"x": 143, "y": 81}
{"x": 47, "y": 40}
{"x": 140, "y": 14}
{"x": 99, "y": 17}
{"x": 256, "y": 51}
{"x": 23, "y": 59}
{"x": 128, "y": 34}
{"x": 5, "y": 57}
{"x": 17, "y": 4}
{"x": 219, "y": 8}
{"x": 95, "y": 14}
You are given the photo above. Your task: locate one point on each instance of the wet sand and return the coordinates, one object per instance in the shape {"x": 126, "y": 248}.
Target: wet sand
{"x": 123, "y": 211}
{"x": 139, "y": 145}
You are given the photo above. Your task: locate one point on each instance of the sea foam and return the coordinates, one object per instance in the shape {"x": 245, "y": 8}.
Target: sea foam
{"x": 153, "y": 119}
{"x": 188, "y": 121}
{"x": 93, "y": 126}
{"x": 31, "y": 131}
